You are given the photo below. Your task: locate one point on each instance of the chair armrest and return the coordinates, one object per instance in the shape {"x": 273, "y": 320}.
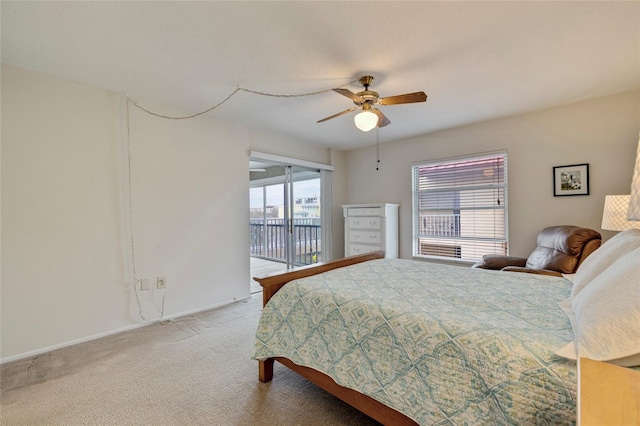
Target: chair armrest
{"x": 491, "y": 261}
{"x": 532, "y": 271}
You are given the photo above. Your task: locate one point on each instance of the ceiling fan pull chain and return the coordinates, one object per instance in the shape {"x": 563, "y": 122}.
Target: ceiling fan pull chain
{"x": 377, "y": 148}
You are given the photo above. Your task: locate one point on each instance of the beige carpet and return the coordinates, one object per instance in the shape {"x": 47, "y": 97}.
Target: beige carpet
{"x": 194, "y": 371}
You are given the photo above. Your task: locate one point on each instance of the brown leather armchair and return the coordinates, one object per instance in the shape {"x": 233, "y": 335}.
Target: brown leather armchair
{"x": 560, "y": 250}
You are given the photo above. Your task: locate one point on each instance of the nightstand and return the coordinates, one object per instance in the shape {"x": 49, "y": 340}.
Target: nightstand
{"x": 608, "y": 394}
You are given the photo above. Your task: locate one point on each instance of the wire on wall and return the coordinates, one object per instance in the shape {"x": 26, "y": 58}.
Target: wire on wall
{"x": 238, "y": 89}
{"x": 130, "y": 179}
{"x": 131, "y": 234}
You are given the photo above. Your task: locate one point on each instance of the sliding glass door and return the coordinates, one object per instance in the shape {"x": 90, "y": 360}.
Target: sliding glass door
{"x": 285, "y": 213}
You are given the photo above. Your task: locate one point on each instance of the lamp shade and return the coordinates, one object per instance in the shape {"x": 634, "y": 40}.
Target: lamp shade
{"x": 366, "y": 120}
{"x": 614, "y": 216}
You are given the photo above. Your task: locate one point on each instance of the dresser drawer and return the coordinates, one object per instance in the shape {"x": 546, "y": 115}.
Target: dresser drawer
{"x": 365, "y": 237}
{"x": 364, "y": 222}
{"x": 364, "y": 211}
{"x": 362, "y": 248}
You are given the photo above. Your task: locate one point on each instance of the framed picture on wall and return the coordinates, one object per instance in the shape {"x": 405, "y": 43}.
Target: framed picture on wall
{"x": 571, "y": 180}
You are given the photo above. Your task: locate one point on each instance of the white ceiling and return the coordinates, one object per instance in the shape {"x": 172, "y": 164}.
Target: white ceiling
{"x": 475, "y": 60}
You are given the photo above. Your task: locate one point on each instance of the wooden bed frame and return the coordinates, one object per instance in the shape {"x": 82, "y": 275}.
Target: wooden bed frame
{"x": 369, "y": 406}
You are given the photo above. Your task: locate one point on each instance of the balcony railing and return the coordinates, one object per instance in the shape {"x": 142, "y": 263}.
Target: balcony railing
{"x": 436, "y": 226}
{"x": 440, "y": 225}
{"x": 454, "y": 236}
{"x": 268, "y": 239}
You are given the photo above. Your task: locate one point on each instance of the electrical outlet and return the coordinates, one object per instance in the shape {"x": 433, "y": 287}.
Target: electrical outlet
{"x": 145, "y": 284}
{"x": 161, "y": 282}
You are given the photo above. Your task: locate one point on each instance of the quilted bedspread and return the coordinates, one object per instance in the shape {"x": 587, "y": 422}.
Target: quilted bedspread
{"x": 441, "y": 344}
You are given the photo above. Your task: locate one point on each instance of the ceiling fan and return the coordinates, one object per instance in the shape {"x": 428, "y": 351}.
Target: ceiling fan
{"x": 371, "y": 117}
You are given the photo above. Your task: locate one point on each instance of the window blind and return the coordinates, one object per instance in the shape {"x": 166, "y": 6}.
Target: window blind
{"x": 460, "y": 208}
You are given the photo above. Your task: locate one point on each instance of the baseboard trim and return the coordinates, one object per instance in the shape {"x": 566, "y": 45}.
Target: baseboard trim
{"x": 46, "y": 349}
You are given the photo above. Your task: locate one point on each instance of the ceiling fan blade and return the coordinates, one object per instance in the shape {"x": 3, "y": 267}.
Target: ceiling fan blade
{"x": 408, "y": 98}
{"x": 338, "y": 114}
{"x": 382, "y": 119}
{"x": 349, "y": 94}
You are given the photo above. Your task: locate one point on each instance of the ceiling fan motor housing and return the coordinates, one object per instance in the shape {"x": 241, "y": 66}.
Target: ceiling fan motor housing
{"x": 367, "y": 96}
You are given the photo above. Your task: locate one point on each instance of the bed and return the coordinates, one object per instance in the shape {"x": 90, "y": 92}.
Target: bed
{"x": 410, "y": 342}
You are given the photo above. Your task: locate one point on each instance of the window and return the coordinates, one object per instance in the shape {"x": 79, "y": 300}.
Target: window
{"x": 460, "y": 208}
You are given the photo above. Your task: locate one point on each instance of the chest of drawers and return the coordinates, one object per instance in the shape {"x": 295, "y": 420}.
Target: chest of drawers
{"x": 371, "y": 227}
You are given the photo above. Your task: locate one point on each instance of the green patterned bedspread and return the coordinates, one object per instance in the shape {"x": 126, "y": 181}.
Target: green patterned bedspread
{"x": 441, "y": 344}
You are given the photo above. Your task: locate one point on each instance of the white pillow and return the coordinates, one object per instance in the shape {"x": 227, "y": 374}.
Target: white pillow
{"x": 607, "y": 315}
{"x": 607, "y": 254}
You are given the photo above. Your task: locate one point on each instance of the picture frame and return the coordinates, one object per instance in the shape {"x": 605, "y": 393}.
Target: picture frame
{"x": 571, "y": 180}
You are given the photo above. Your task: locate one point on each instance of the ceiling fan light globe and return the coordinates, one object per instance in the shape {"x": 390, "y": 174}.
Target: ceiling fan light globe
{"x": 366, "y": 120}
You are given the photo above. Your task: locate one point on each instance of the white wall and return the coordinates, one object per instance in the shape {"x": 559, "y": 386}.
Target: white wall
{"x": 339, "y": 196}
{"x": 602, "y": 132}
{"x": 66, "y": 266}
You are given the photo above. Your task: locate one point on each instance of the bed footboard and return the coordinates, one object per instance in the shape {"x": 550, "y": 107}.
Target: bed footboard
{"x": 272, "y": 283}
